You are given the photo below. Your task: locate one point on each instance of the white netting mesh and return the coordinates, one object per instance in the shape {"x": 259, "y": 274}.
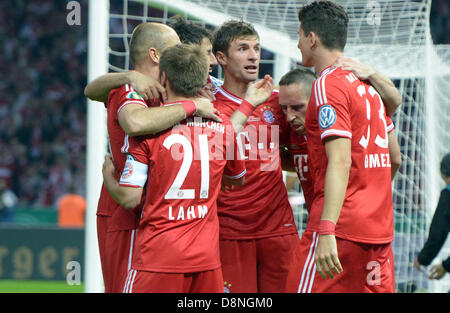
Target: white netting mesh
{"x": 392, "y": 36}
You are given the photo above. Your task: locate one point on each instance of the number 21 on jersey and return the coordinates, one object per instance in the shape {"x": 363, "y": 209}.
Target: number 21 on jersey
{"x": 175, "y": 191}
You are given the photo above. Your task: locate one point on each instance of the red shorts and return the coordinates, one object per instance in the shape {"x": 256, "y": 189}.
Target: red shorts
{"x": 258, "y": 265}
{"x": 152, "y": 282}
{"x": 102, "y": 229}
{"x": 115, "y": 247}
{"x": 366, "y": 268}
{"x": 119, "y": 250}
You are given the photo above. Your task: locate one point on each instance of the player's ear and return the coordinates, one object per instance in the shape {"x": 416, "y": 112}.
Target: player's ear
{"x": 221, "y": 58}
{"x": 153, "y": 55}
{"x": 313, "y": 39}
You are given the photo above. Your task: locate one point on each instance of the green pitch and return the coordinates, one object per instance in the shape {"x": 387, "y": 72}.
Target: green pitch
{"x": 38, "y": 286}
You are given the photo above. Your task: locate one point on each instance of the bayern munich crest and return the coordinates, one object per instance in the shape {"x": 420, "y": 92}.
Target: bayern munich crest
{"x": 268, "y": 116}
{"x": 128, "y": 170}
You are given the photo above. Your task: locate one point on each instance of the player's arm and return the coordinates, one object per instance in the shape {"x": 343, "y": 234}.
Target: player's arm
{"x": 136, "y": 120}
{"x": 338, "y": 151}
{"x": 228, "y": 182}
{"x": 257, "y": 94}
{"x": 395, "y": 153}
{"x": 234, "y": 171}
{"x": 147, "y": 87}
{"x": 126, "y": 197}
{"x": 384, "y": 86}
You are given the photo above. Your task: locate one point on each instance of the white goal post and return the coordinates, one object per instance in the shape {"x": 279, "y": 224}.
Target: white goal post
{"x": 393, "y": 36}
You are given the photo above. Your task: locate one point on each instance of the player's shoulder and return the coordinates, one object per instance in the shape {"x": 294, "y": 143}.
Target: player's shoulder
{"x": 333, "y": 81}
{"x": 126, "y": 92}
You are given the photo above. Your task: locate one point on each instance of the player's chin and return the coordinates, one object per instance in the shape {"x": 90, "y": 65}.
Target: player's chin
{"x": 299, "y": 129}
{"x": 250, "y": 76}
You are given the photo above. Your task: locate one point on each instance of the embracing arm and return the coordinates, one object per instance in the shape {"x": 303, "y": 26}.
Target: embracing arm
{"x": 384, "y": 86}
{"x": 394, "y": 153}
{"x": 147, "y": 87}
{"x": 136, "y": 120}
{"x": 126, "y": 197}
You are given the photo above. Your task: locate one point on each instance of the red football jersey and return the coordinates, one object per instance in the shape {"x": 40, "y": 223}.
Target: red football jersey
{"x": 260, "y": 208}
{"x": 117, "y": 99}
{"x": 342, "y": 105}
{"x": 182, "y": 169}
{"x": 299, "y": 153}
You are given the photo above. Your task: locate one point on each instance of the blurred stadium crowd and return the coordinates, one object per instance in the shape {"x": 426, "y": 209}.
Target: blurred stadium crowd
{"x": 43, "y": 110}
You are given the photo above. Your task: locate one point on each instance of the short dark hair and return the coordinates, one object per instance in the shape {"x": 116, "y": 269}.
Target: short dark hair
{"x": 186, "y": 68}
{"x": 301, "y": 76}
{"x": 445, "y": 165}
{"x": 298, "y": 76}
{"x": 230, "y": 31}
{"x": 328, "y": 20}
{"x": 190, "y": 32}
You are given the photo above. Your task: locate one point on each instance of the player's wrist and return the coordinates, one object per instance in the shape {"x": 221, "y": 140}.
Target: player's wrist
{"x": 246, "y": 108}
{"x": 327, "y": 227}
{"x": 189, "y": 107}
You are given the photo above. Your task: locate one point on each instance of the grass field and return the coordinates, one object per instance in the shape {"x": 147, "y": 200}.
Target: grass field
{"x": 38, "y": 286}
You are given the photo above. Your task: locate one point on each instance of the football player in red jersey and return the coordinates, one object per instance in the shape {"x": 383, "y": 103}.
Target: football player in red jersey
{"x": 257, "y": 228}
{"x": 177, "y": 242}
{"x": 351, "y": 216}
{"x": 128, "y": 114}
{"x": 295, "y": 91}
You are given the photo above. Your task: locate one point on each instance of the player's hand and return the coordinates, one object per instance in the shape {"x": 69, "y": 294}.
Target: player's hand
{"x": 362, "y": 71}
{"x": 108, "y": 169}
{"x": 227, "y": 183}
{"x": 259, "y": 92}
{"x": 206, "y": 109}
{"x": 149, "y": 88}
{"x": 437, "y": 272}
{"x": 206, "y": 92}
{"x": 417, "y": 265}
{"x": 326, "y": 257}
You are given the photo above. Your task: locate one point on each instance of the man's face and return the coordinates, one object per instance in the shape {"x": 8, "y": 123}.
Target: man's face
{"x": 207, "y": 46}
{"x": 303, "y": 46}
{"x": 294, "y": 101}
{"x": 243, "y": 58}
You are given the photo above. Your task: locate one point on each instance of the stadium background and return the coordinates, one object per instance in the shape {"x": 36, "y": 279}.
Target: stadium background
{"x": 43, "y": 136}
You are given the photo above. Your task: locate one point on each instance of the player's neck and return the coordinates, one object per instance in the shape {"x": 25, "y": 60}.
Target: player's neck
{"x": 236, "y": 87}
{"x": 171, "y": 98}
{"x": 325, "y": 58}
{"x": 150, "y": 71}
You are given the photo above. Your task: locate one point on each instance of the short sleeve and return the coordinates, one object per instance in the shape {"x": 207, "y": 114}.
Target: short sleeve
{"x": 332, "y": 102}
{"x": 127, "y": 96}
{"x": 135, "y": 171}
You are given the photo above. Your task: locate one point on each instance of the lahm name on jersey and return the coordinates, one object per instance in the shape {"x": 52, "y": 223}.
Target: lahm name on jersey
{"x": 377, "y": 160}
{"x": 187, "y": 213}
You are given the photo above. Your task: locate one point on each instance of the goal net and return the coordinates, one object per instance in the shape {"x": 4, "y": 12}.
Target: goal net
{"x": 393, "y": 36}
